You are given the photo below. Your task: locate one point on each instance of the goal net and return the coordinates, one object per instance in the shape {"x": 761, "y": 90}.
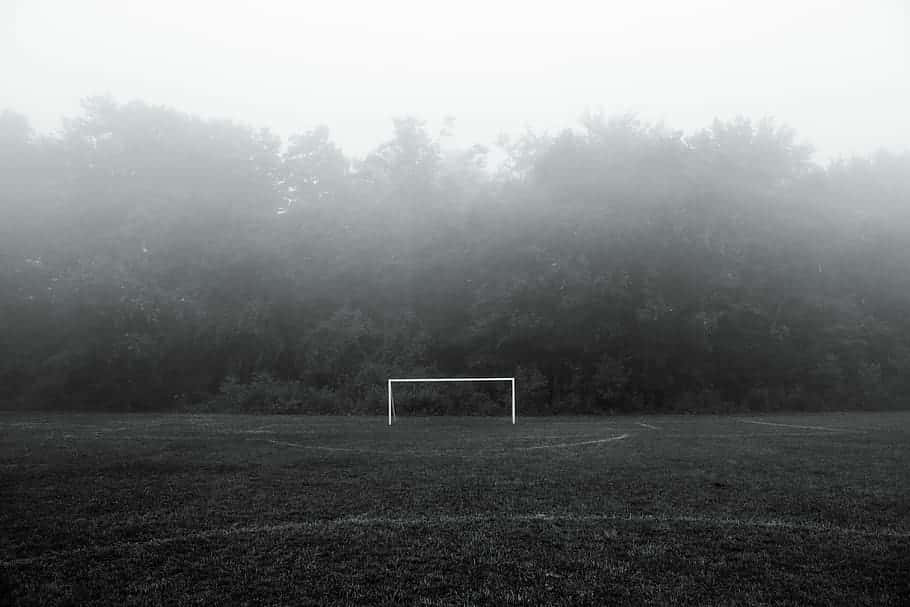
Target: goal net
{"x": 415, "y": 380}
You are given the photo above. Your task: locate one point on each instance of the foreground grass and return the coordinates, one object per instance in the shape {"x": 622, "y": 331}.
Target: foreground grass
{"x": 184, "y": 510}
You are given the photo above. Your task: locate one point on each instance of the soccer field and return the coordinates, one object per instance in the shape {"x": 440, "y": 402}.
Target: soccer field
{"x": 189, "y": 510}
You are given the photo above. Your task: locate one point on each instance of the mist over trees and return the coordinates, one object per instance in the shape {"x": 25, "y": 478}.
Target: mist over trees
{"x": 153, "y": 260}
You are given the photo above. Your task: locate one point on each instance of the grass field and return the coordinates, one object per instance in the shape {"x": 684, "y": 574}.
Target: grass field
{"x": 189, "y": 510}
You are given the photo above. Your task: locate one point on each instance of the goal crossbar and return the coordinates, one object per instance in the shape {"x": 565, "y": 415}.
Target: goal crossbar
{"x": 414, "y": 380}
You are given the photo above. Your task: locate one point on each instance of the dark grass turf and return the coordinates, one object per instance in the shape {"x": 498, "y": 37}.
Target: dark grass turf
{"x": 194, "y": 510}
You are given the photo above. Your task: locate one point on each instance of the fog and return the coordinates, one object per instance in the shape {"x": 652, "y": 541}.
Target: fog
{"x": 655, "y": 233}
{"x": 836, "y": 71}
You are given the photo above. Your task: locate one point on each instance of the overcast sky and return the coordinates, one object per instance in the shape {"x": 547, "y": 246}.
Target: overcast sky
{"x": 837, "y": 71}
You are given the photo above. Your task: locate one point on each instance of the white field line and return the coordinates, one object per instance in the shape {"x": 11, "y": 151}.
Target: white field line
{"x": 127, "y": 437}
{"x": 751, "y": 421}
{"x": 451, "y": 452}
{"x": 759, "y": 435}
{"x": 27, "y": 425}
{"x": 439, "y": 520}
{"x": 286, "y": 427}
{"x": 346, "y": 449}
{"x": 153, "y": 437}
{"x": 587, "y": 442}
{"x": 143, "y": 423}
{"x": 444, "y": 452}
{"x": 644, "y": 425}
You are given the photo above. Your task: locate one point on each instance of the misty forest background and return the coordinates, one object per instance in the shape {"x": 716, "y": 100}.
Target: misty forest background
{"x": 154, "y": 260}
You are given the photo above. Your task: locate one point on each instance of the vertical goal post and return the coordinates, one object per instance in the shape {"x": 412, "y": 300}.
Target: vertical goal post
{"x": 415, "y": 380}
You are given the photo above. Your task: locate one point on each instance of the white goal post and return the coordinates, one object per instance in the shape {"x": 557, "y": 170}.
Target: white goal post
{"x": 511, "y": 381}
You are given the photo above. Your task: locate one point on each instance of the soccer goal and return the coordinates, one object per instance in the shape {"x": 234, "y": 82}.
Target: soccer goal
{"x": 414, "y": 380}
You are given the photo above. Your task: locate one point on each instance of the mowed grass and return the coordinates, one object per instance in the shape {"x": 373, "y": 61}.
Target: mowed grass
{"x": 189, "y": 510}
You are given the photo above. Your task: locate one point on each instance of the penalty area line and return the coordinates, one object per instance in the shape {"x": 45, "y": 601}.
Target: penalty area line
{"x": 342, "y": 449}
{"x": 444, "y": 453}
{"x": 752, "y": 421}
{"x": 587, "y": 442}
{"x": 403, "y": 452}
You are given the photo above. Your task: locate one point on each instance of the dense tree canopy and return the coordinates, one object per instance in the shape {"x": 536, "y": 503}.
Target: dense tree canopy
{"x": 150, "y": 259}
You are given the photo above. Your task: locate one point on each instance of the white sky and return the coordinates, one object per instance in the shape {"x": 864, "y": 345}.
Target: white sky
{"x": 836, "y": 70}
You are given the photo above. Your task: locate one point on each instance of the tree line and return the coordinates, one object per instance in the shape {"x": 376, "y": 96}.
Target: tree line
{"x": 151, "y": 260}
